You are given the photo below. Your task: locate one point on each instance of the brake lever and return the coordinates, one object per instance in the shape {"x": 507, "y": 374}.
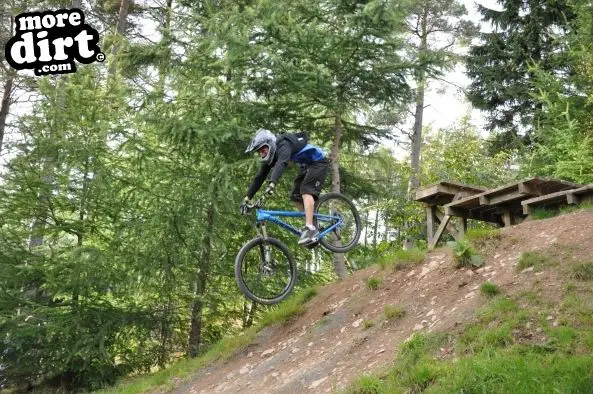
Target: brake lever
{"x": 257, "y": 204}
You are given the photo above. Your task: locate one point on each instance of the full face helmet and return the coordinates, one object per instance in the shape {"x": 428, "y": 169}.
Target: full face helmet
{"x": 263, "y": 138}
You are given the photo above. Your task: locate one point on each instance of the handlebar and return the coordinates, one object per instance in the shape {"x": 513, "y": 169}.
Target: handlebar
{"x": 258, "y": 203}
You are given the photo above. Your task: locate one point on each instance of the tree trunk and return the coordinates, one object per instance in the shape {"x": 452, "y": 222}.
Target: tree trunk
{"x": 249, "y": 309}
{"x": 195, "y": 332}
{"x": 166, "y": 40}
{"x": 339, "y": 262}
{"x": 376, "y": 228}
{"x": 120, "y": 29}
{"x": 366, "y": 227}
{"x": 5, "y": 106}
{"x": 414, "y": 181}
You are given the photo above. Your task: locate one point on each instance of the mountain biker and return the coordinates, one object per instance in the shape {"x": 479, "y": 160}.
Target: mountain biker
{"x": 275, "y": 154}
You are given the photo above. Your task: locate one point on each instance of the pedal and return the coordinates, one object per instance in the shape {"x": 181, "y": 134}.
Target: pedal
{"x": 312, "y": 244}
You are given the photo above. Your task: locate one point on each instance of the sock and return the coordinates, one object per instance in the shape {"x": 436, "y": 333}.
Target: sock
{"x": 311, "y": 227}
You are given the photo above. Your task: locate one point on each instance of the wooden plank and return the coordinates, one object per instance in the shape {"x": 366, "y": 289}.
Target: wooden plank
{"x": 558, "y": 196}
{"x": 439, "y": 232}
{"x": 531, "y": 186}
{"x": 440, "y": 216}
{"x": 571, "y": 199}
{"x": 471, "y": 201}
{"x": 529, "y": 189}
{"x": 463, "y": 227}
{"x": 507, "y": 218}
{"x": 444, "y": 189}
{"x": 577, "y": 196}
{"x": 502, "y": 198}
{"x": 551, "y": 198}
{"x": 426, "y": 192}
{"x": 586, "y": 190}
{"x": 451, "y": 211}
{"x": 430, "y": 223}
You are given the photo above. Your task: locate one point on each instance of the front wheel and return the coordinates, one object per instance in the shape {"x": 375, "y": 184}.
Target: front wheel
{"x": 265, "y": 271}
{"x": 336, "y": 211}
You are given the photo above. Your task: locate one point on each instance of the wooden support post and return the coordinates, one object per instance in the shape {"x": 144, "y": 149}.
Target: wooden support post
{"x": 430, "y": 223}
{"x": 507, "y": 217}
{"x": 572, "y": 199}
{"x": 439, "y": 232}
{"x": 463, "y": 227}
{"x": 450, "y": 226}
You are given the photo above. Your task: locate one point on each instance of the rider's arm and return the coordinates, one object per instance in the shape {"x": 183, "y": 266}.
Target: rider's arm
{"x": 283, "y": 154}
{"x": 260, "y": 177}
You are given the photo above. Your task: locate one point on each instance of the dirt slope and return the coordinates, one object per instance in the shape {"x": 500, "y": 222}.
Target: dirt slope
{"x": 328, "y": 347}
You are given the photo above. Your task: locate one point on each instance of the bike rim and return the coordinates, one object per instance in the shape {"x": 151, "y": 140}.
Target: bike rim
{"x": 266, "y": 279}
{"x": 343, "y": 221}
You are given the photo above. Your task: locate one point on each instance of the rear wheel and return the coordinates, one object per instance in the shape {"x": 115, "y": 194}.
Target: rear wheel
{"x": 265, "y": 271}
{"x": 335, "y": 208}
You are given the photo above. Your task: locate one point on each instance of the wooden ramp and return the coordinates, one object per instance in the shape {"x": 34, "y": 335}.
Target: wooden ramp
{"x": 440, "y": 194}
{"x": 558, "y": 199}
{"x": 503, "y": 206}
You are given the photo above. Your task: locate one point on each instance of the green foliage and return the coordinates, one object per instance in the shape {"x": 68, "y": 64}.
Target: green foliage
{"x": 499, "y": 65}
{"x": 492, "y": 355}
{"x": 393, "y": 312}
{"x": 366, "y": 385}
{"x": 489, "y": 289}
{"x": 543, "y": 213}
{"x": 366, "y": 324}
{"x": 373, "y": 283}
{"x": 481, "y": 235}
{"x": 582, "y": 271}
{"x": 464, "y": 254}
{"x": 288, "y": 309}
{"x": 401, "y": 258}
{"x": 459, "y": 154}
{"x": 563, "y": 139}
{"x": 221, "y": 350}
{"x": 536, "y": 260}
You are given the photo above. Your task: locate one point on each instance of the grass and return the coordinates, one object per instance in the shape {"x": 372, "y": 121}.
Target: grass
{"x": 481, "y": 236}
{"x": 367, "y": 385}
{"x": 489, "y": 289}
{"x": 464, "y": 254}
{"x": 393, "y": 312}
{"x": 497, "y": 353}
{"x": 220, "y": 351}
{"x": 402, "y": 258}
{"x": 540, "y": 213}
{"x": 582, "y": 271}
{"x": 373, "y": 283}
{"x": 367, "y": 324}
{"x": 578, "y": 207}
{"x": 536, "y": 260}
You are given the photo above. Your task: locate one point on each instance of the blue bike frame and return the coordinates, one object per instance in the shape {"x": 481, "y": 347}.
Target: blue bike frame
{"x": 272, "y": 216}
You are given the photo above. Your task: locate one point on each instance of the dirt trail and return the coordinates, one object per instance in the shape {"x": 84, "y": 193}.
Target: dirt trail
{"x": 328, "y": 347}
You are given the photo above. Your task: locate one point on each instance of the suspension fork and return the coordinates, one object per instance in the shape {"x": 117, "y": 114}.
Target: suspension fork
{"x": 264, "y": 247}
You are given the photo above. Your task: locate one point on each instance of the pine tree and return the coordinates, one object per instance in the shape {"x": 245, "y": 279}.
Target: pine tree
{"x": 525, "y": 33}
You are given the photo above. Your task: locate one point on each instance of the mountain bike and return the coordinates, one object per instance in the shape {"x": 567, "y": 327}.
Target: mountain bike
{"x": 265, "y": 269}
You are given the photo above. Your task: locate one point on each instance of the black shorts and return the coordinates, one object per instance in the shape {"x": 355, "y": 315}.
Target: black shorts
{"x": 310, "y": 180}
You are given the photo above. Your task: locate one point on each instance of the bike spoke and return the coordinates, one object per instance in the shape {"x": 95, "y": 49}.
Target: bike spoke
{"x": 266, "y": 274}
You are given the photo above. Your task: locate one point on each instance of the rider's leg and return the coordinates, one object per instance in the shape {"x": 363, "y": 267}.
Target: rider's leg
{"x": 295, "y": 194}
{"x": 310, "y": 189}
{"x": 309, "y": 203}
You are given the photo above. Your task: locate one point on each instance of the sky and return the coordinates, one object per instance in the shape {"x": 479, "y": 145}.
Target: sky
{"x": 445, "y": 108}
